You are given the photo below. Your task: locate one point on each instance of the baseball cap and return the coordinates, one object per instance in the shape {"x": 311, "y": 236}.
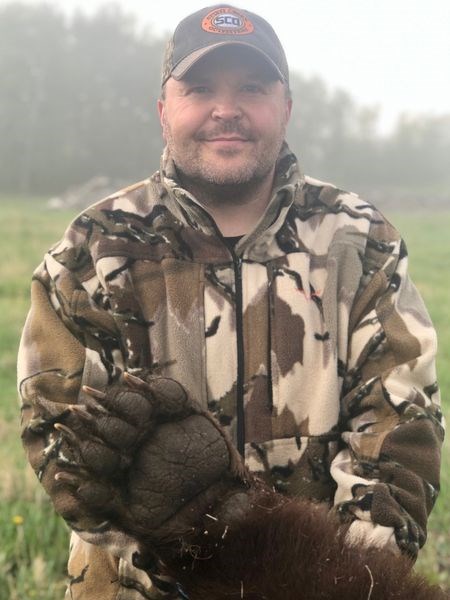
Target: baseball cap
{"x": 221, "y": 25}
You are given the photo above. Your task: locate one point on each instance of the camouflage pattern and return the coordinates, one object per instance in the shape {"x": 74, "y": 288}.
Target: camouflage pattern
{"x": 340, "y": 393}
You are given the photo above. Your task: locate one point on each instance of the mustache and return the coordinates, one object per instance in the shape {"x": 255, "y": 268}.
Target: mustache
{"x": 226, "y": 128}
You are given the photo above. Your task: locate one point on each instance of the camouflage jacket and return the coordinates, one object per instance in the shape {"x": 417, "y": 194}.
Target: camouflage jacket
{"x": 308, "y": 341}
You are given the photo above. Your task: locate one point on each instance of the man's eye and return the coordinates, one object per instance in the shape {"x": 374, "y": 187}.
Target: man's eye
{"x": 253, "y": 88}
{"x": 199, "y": 89}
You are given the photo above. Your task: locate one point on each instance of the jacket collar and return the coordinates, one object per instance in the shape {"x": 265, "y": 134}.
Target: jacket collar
{"x": 288, "y": 182}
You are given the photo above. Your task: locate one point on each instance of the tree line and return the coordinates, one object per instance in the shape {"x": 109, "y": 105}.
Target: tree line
{"x": 77, "y": 99}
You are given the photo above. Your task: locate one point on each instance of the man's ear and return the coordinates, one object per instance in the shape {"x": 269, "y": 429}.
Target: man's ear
{"x": 161, "y": 109}
{"x": 288, "y": 109}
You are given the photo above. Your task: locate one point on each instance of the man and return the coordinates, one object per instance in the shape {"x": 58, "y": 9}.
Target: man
{"x": 229, "y": 297}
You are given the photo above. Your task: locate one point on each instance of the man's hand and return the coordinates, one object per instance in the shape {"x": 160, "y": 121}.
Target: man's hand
{"x": 150, "y": 460}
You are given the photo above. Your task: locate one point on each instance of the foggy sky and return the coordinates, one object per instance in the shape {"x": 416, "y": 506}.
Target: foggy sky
{"x": 391, "y": 54}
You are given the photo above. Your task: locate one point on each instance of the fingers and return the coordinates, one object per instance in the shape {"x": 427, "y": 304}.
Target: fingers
{"x": 67, "y": 432}
{"x": 99, "y": 495}
{"x": 117, "y": 433}
{"x": 168, "y": 397}
{"x": 135, "y": 382}
{"x": 91, "y": 454}
{"x": 82, "y": 412}
{"x": 139, "y": 401}
{"x": 68, "y": 479}
{"x": 93, "y": 392}
{"x": 127, "y": 404}
{"x": 96, "y": 495}
{"x": 103, "y": 434}
{"x": 122, "y": 424}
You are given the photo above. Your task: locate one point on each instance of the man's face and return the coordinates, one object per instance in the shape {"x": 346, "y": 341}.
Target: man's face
{"x": 225, "y": 122}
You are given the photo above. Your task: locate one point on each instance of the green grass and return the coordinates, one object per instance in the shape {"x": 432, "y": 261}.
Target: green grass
{"x": 34, "y": 545}
{"x": 34, "y": 541}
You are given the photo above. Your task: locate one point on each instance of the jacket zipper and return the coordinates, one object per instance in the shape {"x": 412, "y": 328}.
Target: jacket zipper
{"x": 240, "y": 420}
{"x": 240, "y": 416}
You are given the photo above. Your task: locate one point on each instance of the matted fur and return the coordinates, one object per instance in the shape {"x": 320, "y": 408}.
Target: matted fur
{"x": 297, "y": 552}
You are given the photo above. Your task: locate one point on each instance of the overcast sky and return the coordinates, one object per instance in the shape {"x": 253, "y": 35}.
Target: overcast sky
{"x": 393, "y": 54}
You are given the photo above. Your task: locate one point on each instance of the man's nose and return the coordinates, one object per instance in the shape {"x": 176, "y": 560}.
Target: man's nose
{"x": 226, "y": 108}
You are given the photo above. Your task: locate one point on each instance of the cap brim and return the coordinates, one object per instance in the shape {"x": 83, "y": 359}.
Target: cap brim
{"x": 185, "y": 64}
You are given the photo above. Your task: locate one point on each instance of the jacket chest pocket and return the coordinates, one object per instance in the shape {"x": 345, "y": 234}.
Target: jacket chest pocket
{"x": 169, "y": 294}
{"x": 303, "y": 364}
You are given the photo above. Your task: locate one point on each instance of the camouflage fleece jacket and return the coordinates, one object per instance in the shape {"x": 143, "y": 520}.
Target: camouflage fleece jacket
{"x": 308, "y": 342}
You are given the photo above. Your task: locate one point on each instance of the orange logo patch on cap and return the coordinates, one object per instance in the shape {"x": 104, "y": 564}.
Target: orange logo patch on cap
{"x": 227, "y": 21}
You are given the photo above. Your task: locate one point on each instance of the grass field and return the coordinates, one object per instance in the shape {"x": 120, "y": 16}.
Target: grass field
{"x": 34, "y": 541}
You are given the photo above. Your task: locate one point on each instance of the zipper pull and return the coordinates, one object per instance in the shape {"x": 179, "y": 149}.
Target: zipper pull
{"x": 239, "y": 265}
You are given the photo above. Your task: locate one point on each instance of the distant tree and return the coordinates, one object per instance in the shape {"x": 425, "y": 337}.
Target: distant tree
{"x": 418, "y": 151}
{"x": 77, "y": 99}
{"x": 116, "y": 78}
{"x": 337, "y": 140}
{"x": 32, "y": 58}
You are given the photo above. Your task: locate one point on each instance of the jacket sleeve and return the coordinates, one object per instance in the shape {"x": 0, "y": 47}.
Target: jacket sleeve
{"x": 68, "y": 340}
{"x": 387, "y": 475}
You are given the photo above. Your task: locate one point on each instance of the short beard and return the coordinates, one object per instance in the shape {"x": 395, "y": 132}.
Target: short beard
{"x": 209, "y": 184}
{"x": 213, "y": 190}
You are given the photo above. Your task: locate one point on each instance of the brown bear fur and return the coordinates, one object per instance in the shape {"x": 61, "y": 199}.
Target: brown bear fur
{"x": 295, "y": 551}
